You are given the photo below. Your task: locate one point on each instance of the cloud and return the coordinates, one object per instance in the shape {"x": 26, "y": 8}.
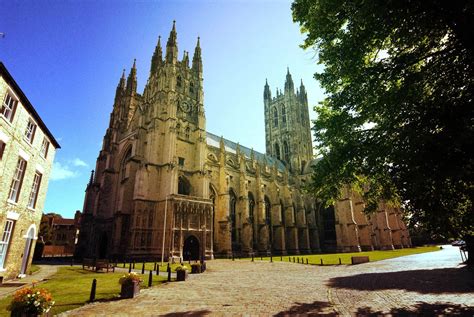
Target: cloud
{"x": 62, "y": 172}
{"x": 79, "y": 162}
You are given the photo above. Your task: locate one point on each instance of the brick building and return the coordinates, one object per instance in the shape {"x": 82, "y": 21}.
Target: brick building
{"x": 27, "y": 150}
{"x": 59, "y": 234}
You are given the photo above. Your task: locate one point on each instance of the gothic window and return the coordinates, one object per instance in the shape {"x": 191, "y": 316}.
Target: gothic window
{"x": 251, "y": 207}
{"x": 186, "y": 133}
{"x": 282, "y": 211}
{"x": 179, "y": 82}
{"x": 178, "y": 129}
{"x": 123, "y": 169}
{"x": 268, "y": 210}
{"x": 233, "y": 219}
{"x": 275, "y": 117}
{"x": 286, "y": 152}
{"x": 184, "y": 187}
{"x": 277, "y": 151}
{"x": 283, "y": 114}
{"x": 191, "y": 88}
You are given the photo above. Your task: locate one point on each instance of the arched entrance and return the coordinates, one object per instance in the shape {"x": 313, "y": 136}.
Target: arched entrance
{"x": 30, "y": 236}
{"x": 191, "y": 249}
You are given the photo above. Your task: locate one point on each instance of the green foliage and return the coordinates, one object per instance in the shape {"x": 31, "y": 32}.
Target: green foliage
{"x": 399, "y": 76}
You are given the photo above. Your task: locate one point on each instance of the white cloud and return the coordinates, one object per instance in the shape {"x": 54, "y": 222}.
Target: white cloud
{"x": 62, "y": 172}
{"x": 79, "y": 162}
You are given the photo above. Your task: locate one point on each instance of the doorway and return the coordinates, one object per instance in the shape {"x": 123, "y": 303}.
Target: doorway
{"x": 30, "y": 236}
{"x": 191, "y": 249}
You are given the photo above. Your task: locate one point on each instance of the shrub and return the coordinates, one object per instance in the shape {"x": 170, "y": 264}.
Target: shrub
{"x": 31, "y": 300}
{"x": 130, "y": 277}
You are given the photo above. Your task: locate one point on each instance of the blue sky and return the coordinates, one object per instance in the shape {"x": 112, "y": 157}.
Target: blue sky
{"x": 68, "y": 57}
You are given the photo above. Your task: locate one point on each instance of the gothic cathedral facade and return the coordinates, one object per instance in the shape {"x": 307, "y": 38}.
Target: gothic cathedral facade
{"x": 164, "y": 187}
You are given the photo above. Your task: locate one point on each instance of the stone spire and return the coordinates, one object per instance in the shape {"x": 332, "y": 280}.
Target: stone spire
{"x": 132, "y": 79}
{"x": 186, "y": 58}
{"x": 303, "y": 95}
{"x": 157, "y": 56}
{"x": 197, "y": 61}
{"x": 172, "y": 46}
{"x": 289, "y": 86}
{"x": 120, "y": 87}
{"x": 267, "y": 95}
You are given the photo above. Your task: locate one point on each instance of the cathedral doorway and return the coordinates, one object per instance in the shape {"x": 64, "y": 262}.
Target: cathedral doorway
{"x": 103, "y": 246}
{"x": 191, "y": 249}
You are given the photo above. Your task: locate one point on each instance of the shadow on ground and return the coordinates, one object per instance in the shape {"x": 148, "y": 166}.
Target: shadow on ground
{"x": 421, "y": 309}
{"x": 437, "y": 281}
{"x": 188, "y": 313}
{"x": 310, "y": 309}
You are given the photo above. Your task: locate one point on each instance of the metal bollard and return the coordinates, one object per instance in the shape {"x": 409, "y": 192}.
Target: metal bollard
{"x": 130, "y": 267}
{"x": 143, "y": 268}
{"x": 322, "y": 262}
{"x": 306, "y": 260}
{"x": 150, "y": 278}
{"x": 133, "y": 267}
{"x": 169, "y": 274}
{"x": 154, "y": 268}
{"x": 93, "y": 288}
{"x": 281, "y": 258}
{"x": 252, "y": 257}
{"x": 340, "y": 261}
{"x": 271, "y": 258}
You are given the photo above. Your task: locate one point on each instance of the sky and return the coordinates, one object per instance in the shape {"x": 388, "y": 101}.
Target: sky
{"x": 68, "y": 57}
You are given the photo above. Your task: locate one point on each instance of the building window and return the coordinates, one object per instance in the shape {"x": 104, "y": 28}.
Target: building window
{"x": 178, "y": 129}
{"x": 275, "y": 117}
{"x": 17, "y": 180}
{"x": 123, "y": 169}
{"x": 277, "y": 151}
{"x": 286, "y": 151}
{"x": 179, "y": 82}
{"x": 283, "y": 114}
{"x": 181, "y": 161}
{"x": 8, "y": 107}
{"x": 34, "y": 190}
{"x": 4, "y": 242}
{"x": 191, "y": 88}
{"x": 186, "y": 133}
{"x": 30, "y": 131}
{"x": 44, "y": 147}
{"x": 2, "y": 148}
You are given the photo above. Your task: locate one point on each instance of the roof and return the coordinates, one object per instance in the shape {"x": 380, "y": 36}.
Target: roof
{"x": 27, "y": 104}
{"x": 63, "y": 221}
{"x": 231, "y": 147}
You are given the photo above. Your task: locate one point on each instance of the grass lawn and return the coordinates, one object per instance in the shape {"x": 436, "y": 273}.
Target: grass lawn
{"x": 331, "y": 259}
{"x": 34, "y": 268}
{"x": 71, "y": 286}
{"x": 151, "y": 266}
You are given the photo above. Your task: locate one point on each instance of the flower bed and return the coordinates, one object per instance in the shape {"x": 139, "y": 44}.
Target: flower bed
{"x": 31, "y": 301}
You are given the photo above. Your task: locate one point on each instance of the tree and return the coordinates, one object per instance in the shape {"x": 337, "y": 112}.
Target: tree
{"x": 398, "y": 120}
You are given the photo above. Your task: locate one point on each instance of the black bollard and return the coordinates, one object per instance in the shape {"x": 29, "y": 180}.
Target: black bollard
{"x": 271, "y": 258}
{"x": 168, "y": 268}
{"x": 297, "y": 260}
{"x": 293, "y": 259}
{"x": 261, "y": 258}
{"x": 322, "y": 262}
{"x": 281, "y": 258}
{"x": 158, "y": 269}
{"x": 340, "y": 261}
{"x": 252, "y": 257}
{"x": 232, "y": 256}
{"x": 93, "y": 288}
{"x": 154, "y": 268}
{"x": 150, "y": 278}
{"x": 289, "y": 259}
{"x": 306, "y": 260}
{"x": 133, "y": 266}
{"x": 130, "y": 267}
{"x": 124, "y": 264}
{"x": 143, "y": 268}
{"x": 169, "y": 274}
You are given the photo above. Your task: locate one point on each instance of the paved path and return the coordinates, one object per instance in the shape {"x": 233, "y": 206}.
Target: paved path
{"x": 10, "y": 286}
{"x": 430, "y": 283}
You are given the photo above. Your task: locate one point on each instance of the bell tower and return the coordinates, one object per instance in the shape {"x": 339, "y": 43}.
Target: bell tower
{"x": 287, "y": 126}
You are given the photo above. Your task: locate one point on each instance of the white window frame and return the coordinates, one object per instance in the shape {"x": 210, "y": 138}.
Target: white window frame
{"x": 9, "y": 105}
{"x": 5, "y": 241}
{"x": 44, "y": 147}
{"x": 35, "y": 186}
{"x": 30, "y": 131}
{"x": 15, "y": 187}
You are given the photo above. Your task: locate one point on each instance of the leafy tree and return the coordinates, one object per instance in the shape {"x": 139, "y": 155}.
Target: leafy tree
{"x": 398, "y": 120}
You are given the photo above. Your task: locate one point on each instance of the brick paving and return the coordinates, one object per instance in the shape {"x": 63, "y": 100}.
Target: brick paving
{"x": 430, "y": 283}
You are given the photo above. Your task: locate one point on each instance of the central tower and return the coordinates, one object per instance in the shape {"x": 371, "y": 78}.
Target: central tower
{"x": 287, "y": 127}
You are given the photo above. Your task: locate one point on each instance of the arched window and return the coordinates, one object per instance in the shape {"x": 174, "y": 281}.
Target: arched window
{"x": 294, "y": 214}
{"x": 283, "y": 114}
{"x": 233, "y": 219}
{"x": 277, "y": 151}
{"x": 178, "y": 129}
{"x": 123, "y": 168}
{"x": 191, "y": 88}
{"x": 179, "y": 82}
{"x": 186, "y": 133}
{"x": 275, "y": 117}
{"x": 251, "y": 207}
{"x": 282, "y": 211}
{"x": 286, "y": 151}
{"x": 268, "y": 210}
{"x": 184, "y": 187}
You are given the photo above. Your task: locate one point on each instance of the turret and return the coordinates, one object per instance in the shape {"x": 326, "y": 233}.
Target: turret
{"x": 267, "y": 95}
{"x": 172, "y": 46}
{"x": 303, "y": 96}
{"x": 157, "y": 58}
{"x": 289, "y": 86}
{"x": 197, "y": 61}
{"x": 132, "y": 79}
{"x": 186, "y": 59}
{"x": 120, "y": 87}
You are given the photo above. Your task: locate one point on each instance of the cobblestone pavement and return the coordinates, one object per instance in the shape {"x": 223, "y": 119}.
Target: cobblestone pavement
{"x": 10, "y": 286}
{"x": 430, "y": 283}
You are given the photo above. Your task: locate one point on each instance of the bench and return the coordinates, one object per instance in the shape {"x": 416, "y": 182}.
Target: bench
{"x": 97, "y": 265}
{"x": 359, "y": 259}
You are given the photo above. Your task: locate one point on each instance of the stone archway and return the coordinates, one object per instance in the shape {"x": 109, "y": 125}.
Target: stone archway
{"x": 191, "y": 249}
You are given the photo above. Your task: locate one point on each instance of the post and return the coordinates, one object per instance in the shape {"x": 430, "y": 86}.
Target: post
{"x": 150, "y": 278}
{"x": 340, "y": 261}
{"x": 130, "y": 267}
{"x": 169, "y": 274}
{"x": 322, "y": 262}
{"x": 306, "y": 260}
{"x": 281, "y": 258}
{"x": 143, "y": 268}
{"x": 164, "y": 229}
{"x": 154, "y": 268}
{"x": 252, "y": 257}
{"x": 93, "y": 288}
{"x": 271, "y": 258}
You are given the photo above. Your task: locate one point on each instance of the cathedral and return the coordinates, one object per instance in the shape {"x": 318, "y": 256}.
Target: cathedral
{"x": 165, "y": 188}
